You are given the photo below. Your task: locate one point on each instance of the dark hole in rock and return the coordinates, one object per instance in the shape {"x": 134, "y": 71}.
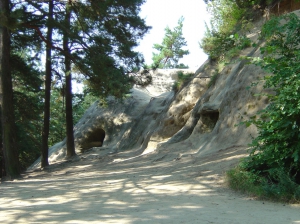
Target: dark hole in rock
{"x": 209, "y": 120}
{"x": 94, "y": 139}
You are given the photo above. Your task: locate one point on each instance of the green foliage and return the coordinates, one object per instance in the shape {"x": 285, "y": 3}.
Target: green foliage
{"x": 240, "y": 43}
{"x": 245, "y": 182}
{"x": 182, "y": 80}
{"x": 28, "y": 107}
{"x": 225, "y": 15}
{"x": 57, "y": 116}
{"x": 107, "y": 57}
{"x": 102, "y": 37}
{"x": 276, "y": 151}
{"x": 281, "y": 186}
{"x": 232, "y": 53}
{"x": 170, "y": 51}
{"x": 278, "y": 139}
{"x": 225, "y": 37}
{"x": 81, "y": 102}
{"x": 216, "y": 44}
{"x": 263, "y": 186}
{"x": 247, "y": 4}
{"x": 221, "y": 46}
{"x": 182, "y": 66}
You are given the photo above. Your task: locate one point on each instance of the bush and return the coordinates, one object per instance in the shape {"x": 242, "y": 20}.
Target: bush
{"x": 221, "y": 46}
{"x": 278, "y": 142}
{"x": 216, "y": 44}
{"x": 276, "y": 150}
{"x": 244, "y": 181}
{"x": 264, "y": 186}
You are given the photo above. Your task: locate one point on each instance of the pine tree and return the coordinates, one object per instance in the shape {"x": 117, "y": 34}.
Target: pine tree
{"x": 48, "y": 78}
{"x": 98, "y": 41}
{"x": 10, "y": 150}
{"x": 68, "y": 78}
{"x": 26, "y": 83}
{"x": 170, "y": 51}
{"x": 110, "y": 31}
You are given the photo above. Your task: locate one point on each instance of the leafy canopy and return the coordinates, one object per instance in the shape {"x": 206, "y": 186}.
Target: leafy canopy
{"x": 104, "y": 35}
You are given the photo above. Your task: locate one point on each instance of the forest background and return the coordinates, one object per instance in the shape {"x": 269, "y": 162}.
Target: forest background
{"x": 89, "y": 41}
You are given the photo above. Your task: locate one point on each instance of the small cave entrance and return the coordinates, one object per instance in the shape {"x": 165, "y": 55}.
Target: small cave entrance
{"x": 209, "y": 120}
{"x": 93, "y": 139}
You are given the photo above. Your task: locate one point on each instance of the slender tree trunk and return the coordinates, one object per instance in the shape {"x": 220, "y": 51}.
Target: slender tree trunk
{"x": 48, "y": 74}
{"x": 10, "y": 150}
{"x": 68, "y": 76}
{"x": 63, "y": 112}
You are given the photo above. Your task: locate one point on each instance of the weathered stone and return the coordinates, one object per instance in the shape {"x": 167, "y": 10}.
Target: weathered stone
{"x": 196, "y": 120}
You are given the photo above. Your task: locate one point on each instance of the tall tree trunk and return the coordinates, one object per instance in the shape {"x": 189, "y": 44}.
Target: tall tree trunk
{"x": 10, "y": 150}
{"x": 48, "y": 74}
{"x": 2, "y": 165}
{"x": 68, "y": 76}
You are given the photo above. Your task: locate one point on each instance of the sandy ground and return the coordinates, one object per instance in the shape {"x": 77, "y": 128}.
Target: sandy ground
{"x": 145, "y": 189}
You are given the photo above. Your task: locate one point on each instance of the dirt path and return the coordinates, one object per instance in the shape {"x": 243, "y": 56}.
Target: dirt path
{"x": 147, "y": 189}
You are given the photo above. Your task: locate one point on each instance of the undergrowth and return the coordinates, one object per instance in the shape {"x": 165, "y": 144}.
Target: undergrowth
{"x": 182, "y": 80}
{"x": 263, "y": 185}
{"x": 272, "y": 169}
{"x": 213, "y": 79}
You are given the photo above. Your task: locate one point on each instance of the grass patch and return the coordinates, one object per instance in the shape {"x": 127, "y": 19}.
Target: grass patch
{"x": 274, "y": 186}
{"x": 243, "y": 181}
{"x": 232, "y": 53}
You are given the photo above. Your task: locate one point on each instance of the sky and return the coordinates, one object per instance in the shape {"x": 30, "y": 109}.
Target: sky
{"x": 162, "y": 13}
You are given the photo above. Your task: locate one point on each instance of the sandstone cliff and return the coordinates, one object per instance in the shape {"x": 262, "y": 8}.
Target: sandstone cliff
{"x": 200, "y": 119}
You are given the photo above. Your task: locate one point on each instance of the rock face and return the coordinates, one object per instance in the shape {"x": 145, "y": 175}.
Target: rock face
{"x": 201, "y": 118}
{"x": 121, "y": 125}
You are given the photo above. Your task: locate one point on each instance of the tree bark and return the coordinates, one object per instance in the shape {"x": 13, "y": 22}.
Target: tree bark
{"x": 68, "y": 77}
{"x": 10, "y": 150}
{"x": 48, "y": 78}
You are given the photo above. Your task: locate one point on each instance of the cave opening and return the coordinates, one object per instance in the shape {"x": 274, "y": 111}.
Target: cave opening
{"x": 93, "y": 139}
{"x": 98, "y": 135}
{"x": 209, "y": 120}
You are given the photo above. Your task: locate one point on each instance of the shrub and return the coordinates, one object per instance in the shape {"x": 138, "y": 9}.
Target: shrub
{"x": 262, "y": 185}
{"x": 221, "y": 46}
{"x": 276, "y": 150}
{"x": 216, "y": 44}
{"x": 278, "y": 142}
{"x": 228, "y": 19}
{"x": 244, "y": 181}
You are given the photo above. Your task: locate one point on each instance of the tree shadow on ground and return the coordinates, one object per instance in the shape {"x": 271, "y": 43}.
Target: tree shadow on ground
{"x": 138, "y": 190}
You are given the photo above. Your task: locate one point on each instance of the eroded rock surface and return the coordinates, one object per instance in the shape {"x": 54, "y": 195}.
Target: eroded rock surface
{"x": 199, "y": 119}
